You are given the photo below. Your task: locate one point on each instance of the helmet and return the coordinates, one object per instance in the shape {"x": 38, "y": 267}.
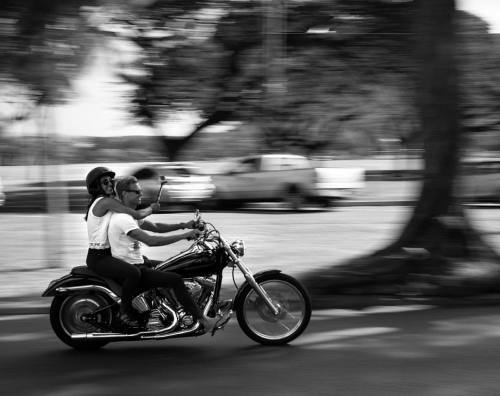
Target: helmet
{"x": 93, "y": 177}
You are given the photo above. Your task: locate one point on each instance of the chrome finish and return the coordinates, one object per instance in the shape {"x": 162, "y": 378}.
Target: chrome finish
{"x": 155, "y": 320}
{"x": 140, "y": 303}
{"x": 238, "y": 247}
{"x": 165, "y": 307}
{"x": 143, "y": 335}
{"x": 249, "y": 277}
{"x": 103, "y": 289}
{"x": 148, "y": 335}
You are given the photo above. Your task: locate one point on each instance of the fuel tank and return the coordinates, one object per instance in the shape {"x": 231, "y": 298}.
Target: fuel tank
{"x": 195, "y": 261}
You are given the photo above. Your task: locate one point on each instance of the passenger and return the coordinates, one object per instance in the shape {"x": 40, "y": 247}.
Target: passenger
{"x": 102, "y": 202}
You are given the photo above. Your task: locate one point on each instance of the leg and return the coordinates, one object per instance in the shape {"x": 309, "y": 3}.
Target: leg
{"x": 128, "y": 275}
{"x": 152, "y": 278}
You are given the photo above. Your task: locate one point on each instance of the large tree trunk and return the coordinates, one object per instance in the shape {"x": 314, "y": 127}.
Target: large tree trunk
{"x": 451, "y": 256}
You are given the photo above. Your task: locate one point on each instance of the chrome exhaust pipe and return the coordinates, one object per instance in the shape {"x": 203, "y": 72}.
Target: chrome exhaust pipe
{"x": 161, "y": 334}
{"x": 142, "y": 335}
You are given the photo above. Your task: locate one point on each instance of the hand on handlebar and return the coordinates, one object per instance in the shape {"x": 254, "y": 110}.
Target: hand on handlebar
{"x": 193, "y": 234}
{"x": 193, "y": 224}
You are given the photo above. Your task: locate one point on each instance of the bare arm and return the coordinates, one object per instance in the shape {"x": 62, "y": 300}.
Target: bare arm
{"x": 110, "y": 204}
{"x": 163, "y": 227}
{"x": 158, "y": 240}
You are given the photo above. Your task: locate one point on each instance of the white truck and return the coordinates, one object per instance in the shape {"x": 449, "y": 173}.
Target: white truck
{"x": 284, "y": 177}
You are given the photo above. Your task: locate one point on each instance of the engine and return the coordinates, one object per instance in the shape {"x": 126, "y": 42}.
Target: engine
{"x": 194, "y": 289}
{"x": 161, "y": 303}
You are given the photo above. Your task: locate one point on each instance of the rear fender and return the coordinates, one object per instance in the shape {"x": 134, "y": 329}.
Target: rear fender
{"x": 256, "y": 276}
{"x": 70, "y": 284}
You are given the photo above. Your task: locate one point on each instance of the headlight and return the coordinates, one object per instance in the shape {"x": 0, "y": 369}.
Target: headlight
{"x": 238, "y": 247}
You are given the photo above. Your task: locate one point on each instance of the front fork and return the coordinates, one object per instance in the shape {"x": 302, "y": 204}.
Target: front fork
{"x": 251, "y": 280}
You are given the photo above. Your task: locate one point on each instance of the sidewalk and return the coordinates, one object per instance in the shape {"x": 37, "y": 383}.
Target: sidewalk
{"x": 13, "y": 300}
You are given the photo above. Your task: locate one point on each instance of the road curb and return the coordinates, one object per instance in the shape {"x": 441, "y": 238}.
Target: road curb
{"x": 24, "y": 306}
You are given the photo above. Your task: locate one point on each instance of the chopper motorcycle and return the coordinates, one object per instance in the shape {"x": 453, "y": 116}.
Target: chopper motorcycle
{"x": 271, "y": 308}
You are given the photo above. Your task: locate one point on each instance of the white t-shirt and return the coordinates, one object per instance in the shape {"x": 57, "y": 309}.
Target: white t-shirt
{"x": 97, "y": 228}
{"x": 124, "y": 247}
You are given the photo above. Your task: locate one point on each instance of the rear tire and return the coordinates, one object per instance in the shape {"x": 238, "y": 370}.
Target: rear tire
{"x": 66, "y": 318}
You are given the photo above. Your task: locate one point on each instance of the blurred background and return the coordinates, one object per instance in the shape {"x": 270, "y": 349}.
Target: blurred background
{"x": 291, "y": 124}
{"x": 183, "y": 89}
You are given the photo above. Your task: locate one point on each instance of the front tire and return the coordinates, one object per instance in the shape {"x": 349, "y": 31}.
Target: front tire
{"x": 66, "y": 318}
{"x": 260, "y": 324}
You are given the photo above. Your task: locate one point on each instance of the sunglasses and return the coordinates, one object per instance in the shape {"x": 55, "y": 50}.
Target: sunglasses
{"x": 107, "y": 182}
{"x": 138, "y": 192}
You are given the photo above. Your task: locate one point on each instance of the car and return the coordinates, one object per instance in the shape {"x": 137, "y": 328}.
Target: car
{"x": 185, "y": 183}
{"x": 289, "y": 178}
{"x": 2, "y": 194}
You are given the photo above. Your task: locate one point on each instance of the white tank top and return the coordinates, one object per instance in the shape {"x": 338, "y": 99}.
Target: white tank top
{"x": 97, "y": 228}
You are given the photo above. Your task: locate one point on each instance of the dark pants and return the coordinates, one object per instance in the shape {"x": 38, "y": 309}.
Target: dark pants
{"x": 129, "y": 276}
{"x": 153, "y": 278}
{"x": 132, "y": 277}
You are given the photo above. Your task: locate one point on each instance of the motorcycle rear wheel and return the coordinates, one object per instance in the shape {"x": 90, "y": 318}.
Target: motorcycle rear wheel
{"x": 66, "y": 318}
{"x": 260, "y": 324}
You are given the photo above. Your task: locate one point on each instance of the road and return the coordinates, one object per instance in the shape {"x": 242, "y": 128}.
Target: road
{"x": 379, "y": 351}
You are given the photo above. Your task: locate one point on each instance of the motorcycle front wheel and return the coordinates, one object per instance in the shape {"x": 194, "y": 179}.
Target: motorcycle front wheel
{"x": 258, "y": 321}
{"x": 67, "y": 318}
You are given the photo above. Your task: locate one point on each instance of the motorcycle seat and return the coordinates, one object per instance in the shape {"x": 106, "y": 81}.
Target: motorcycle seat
{"x": 83, "y": 270}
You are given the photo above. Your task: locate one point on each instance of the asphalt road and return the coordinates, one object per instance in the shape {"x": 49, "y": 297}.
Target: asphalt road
{"x": 412, "y": 350}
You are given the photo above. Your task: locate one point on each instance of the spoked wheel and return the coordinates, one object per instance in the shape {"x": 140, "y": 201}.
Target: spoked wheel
{"x": 69, "y": 316}
{"x": 258, "y": 321}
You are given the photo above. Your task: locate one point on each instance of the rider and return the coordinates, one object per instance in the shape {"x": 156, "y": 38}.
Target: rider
{"x": 102, "y": 202}
{"x": 126, "y": 235}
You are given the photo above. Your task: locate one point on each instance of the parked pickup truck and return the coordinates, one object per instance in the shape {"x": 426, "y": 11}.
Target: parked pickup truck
{"x": 284, "y": 177}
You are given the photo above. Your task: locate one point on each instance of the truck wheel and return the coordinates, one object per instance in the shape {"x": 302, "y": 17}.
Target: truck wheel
{"x": 294, "y": 199}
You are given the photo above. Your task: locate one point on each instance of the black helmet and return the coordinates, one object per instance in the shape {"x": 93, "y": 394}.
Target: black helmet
{"x": 93, "y": 177}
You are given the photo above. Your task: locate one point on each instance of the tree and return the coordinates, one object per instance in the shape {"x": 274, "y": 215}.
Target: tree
{"x": 226, "y": 76}
{"x": 449, "y": 247}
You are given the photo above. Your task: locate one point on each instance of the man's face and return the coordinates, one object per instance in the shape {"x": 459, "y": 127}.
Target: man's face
{"x": 132, "y": 195}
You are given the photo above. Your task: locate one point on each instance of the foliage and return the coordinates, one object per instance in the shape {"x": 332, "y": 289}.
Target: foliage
{"x": 347, "y": 89}
{"x": 44, "y": 44}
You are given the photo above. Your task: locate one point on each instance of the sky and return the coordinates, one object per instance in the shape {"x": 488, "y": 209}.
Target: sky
{"x": 98, "y": 106}
{"x": 489, "y": 10}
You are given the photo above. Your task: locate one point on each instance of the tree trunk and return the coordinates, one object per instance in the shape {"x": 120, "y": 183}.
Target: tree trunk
{"x": 438, "y": 246}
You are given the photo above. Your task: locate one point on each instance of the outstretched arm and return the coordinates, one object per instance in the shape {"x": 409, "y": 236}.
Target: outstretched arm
{"x": 163, "y": 227}
{"x": 159, "y": 240}
{"x": 113, "y": 205}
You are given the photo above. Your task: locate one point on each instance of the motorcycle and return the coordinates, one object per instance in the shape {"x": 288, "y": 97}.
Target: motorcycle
{"x": 271, "y": 308}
